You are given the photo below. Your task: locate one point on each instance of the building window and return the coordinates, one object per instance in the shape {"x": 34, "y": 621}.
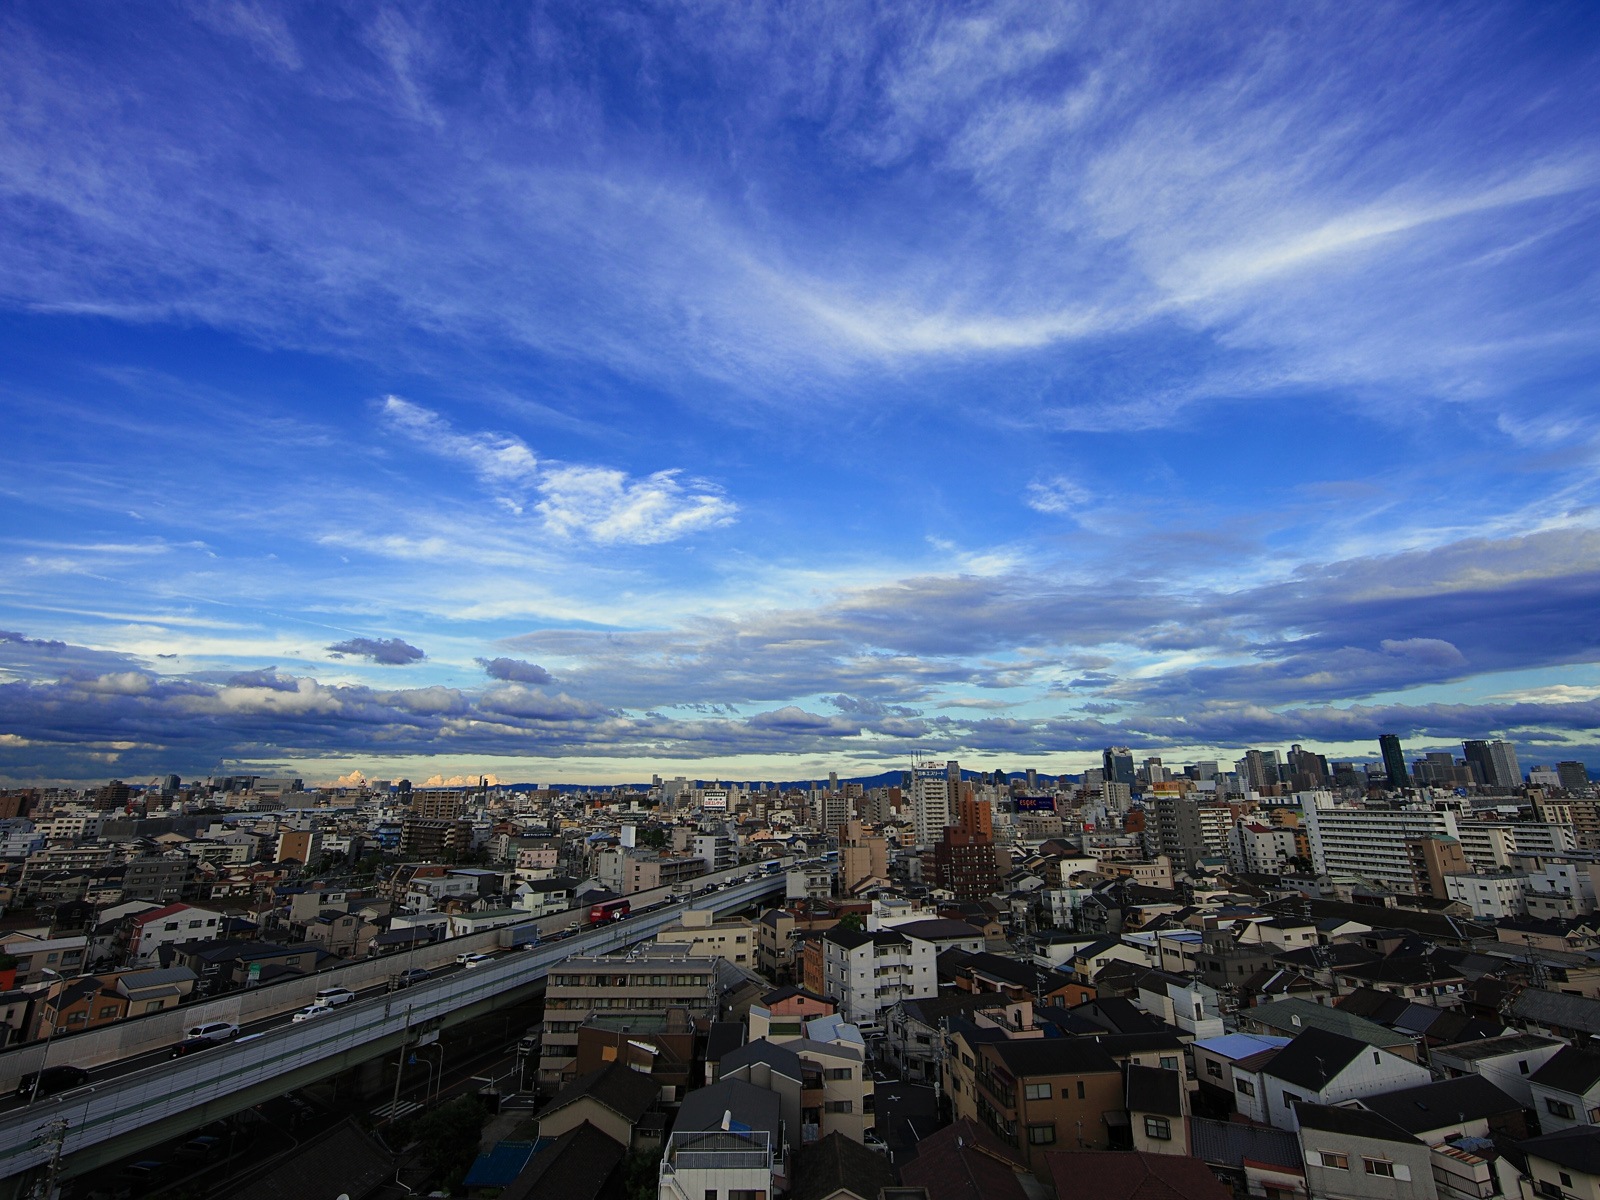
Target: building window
{"x": 1334, "y": 1162}
{"x": 837, "y": 1073}
{"x": 1036, "y": 1091}
{"x": 1081, "y": 1092}
{"x": 1559, "y": 1108}
{"x": 1041, "y": 1135}
{"x": 1378, "y": 1166}
{"x": 1168, "y": 1063}
{"x": 1213, "y": 1068}
{"x": 1158, "y": 1128}
{"x": 1244, "y": 1087}
{"x": 738, "y": 1194}
{"x": 1546, "y": 1188}
{"x": 840, "y": 1106}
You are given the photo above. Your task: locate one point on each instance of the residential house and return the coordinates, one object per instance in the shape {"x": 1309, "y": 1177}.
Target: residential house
{"x": 1289, "y": 1018}
{"x": 781, "y": 1015}
{"x": 1228, "y": 1070}
{"x": 1046, "y": 1094}
{"x": 583, "y": 1164}
{"x": 1507, "y": 1061}
{"x": 966, "y": 1161}
{"x": 1566, "y": 1090}
{"x": 615, "y": 1100}
{"x": 775, "y": 944}
{"x": 1353, "y": 1154}
{"x": 1324, "y": 1068}
{"x": 1563, "y": 1164}
{"x": 728, "y": 1143}
{"x": 1465, "y": 1107}
{"x": 1136, "y": 1175}
{"x": 162, "y": 927}
{"x": 1158, "y": 1110}
{"x": 839, "y": 1168}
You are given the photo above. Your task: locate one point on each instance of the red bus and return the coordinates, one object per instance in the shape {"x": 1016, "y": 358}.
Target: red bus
{"x": 610, "y": 910}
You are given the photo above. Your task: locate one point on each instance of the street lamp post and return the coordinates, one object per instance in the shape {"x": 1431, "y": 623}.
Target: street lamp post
{"x": 439, "y": 1084}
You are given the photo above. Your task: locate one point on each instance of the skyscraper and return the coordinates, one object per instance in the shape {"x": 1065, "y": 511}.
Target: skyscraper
{"x": 1394, "y": 761}
{"x": 1507, "y": 772}
{"x": 1118, "y": 764}
{"x": 931, "y": 800}
{"x": 1496, "y": 762}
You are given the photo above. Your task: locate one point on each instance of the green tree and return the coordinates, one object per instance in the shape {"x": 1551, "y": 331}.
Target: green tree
{"x": 448, "y": 1137}
{"x": 852, "y": 921}
{"x": 640, "y": 1175}
{"x": 655, "y": 839}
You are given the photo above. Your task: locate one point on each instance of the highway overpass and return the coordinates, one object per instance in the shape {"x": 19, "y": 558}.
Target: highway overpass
{"x": 120, "y": 1114}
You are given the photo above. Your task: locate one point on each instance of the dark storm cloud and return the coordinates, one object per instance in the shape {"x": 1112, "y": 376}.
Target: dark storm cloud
{"x": 515, "y": 670}
{"x": 389, "y": 651}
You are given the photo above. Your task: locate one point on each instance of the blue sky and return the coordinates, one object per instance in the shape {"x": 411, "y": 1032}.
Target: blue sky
{"x": 568, "y": 392}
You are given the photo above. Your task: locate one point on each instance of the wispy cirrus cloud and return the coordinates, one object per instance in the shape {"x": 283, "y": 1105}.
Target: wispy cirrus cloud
{"x": 601, "y": 504}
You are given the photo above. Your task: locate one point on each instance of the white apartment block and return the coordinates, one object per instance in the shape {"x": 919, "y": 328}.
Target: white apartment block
{"x": 871, "y": 972}
{"x": 1260, "y": 849}
{"x": 1372, "y": 841}
{"x": 1489, "y": 896}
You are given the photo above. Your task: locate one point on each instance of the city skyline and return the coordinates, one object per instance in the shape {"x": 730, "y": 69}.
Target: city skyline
{"x": 566, "y": 397}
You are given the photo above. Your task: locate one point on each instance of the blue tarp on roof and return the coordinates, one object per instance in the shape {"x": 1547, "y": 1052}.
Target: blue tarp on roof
{"x": 502, "y": 1164}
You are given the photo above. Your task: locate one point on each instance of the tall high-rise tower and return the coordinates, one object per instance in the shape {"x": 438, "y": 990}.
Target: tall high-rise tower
{"x": 1394, "y": 761}
{"x": 1118, "y": 764}
{"x": 1507, "y": 772}
{"x": 931, "y": 799}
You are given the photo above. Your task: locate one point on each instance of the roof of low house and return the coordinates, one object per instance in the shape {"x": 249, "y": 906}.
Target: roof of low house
{"x": 837, "y": 1164}
{"x": 1293, "y": 1015}
{"x": 1571, "y": 1070}
{"x": 781, "y": 1057}
{"x": 576, "y": 1167}
{"x": 1557, "y": 1010}
{"x": 1351, "y": 1122}
{"x": 1577, "y": 1148}
{"x": 1230, "y": 1143}
{"x": 964, "y": 1161}
{"x": 1510, "y": 1043}
{"x": 1315, "y": 1058}
{"x": 617, "y": 1086}
{"x": 1131, "y": 1175}
{"x": 1054, "y": 1056}
{"x": 1435, "y": 1105}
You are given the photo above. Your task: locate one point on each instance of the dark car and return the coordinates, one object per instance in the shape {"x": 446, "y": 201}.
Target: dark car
{"x": 414, "y": 975}
{"x": 52, "y": 1080}
{"x": 146, "y": 1170}
{"x": 203, "y": 1147}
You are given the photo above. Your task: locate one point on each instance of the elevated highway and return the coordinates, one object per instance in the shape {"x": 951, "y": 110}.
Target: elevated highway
{"x": 118, "y": 1114}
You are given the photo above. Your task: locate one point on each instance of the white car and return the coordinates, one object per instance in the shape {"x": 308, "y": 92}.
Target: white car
{"x": 871, "y": 1140}
{"x": 332, "y": 997}
{"x": 311, "y": 1012}
{"x": 213, "y": 1031}
{"x": 469, "y": 961}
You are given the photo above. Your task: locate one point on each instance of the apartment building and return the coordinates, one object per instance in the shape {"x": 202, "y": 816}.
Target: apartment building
{"x": 648, "y": 982}
{"x": 170, "y": 926}
{"x": 870, "y": 972}
{"x": 824, "y": 1087}
{"x": 1049, "y": 1094}
{"x": 702, "y": 935}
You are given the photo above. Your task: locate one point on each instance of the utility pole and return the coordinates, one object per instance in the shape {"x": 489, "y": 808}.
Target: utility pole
{"x": 400, "y": 1065}
{"x": 55, "y": 1136}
